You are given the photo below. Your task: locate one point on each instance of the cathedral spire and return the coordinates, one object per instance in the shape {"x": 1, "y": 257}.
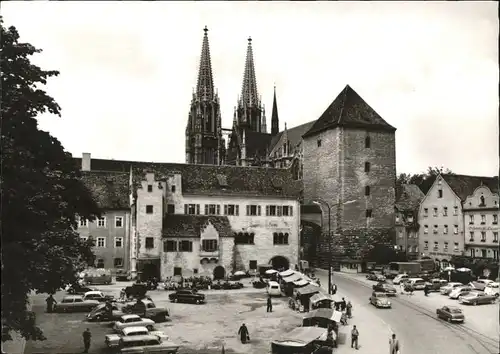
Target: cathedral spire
{"x": 205, "y": 86}
{"x": 274, "y": 117}
{"x": 249, "y": 95}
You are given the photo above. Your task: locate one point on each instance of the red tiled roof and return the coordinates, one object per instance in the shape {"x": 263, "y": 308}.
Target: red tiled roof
{"x": 177, "y": 225}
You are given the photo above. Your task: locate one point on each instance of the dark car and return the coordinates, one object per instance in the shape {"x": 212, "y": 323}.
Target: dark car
{"x": 137, "y": 290}
{"x": 148, "y": 310}
{"x": 102, "y": 314}
{"x": 450, "y": 314}
{"x": 259, "y": 284}
{"x": 435, "y": 284}
{"x": 477, "y": 298}
{"x": 232, "y": 285}
{"x": 376, "y": 277}
{"x": 189, "y": 296}
{"x": 77, "y": 289}
{"x": 388, "y": 289}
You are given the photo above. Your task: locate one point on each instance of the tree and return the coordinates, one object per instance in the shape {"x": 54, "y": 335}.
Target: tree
{"x": 42, "y": 193}
{"x": 423, "y": 180}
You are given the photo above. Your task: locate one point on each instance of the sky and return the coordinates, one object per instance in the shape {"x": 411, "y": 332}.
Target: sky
{"x": 127, "y": 71}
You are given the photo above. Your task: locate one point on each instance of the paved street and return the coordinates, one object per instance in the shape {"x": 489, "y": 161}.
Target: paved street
{"x": 417, "y": 327}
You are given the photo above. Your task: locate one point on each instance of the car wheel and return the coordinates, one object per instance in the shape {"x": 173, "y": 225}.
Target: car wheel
{"x": 198, "y": 302}
{"x": 98, "y": 318}
{"x": 474, "y": 303}
{"x": 493, "y": 301}
{"x": 448, "y": 319}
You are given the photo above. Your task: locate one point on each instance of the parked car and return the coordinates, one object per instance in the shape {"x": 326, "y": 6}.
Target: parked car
{"x": 75, "y": 303}
{"x": 136, "y": 290}
{"x": 481, "y": 284}
{"x": 78, "y": 289}
{"x": 388, "y": 289}
{"x": 376, "y": 277}
{"x": 191, "y": 296}
{"x": 476, "y": 298}
{"x": 122, "y": 275}
{"x": 133, "y": 321}
{"x": 101, "y": 314}
{"x": 113, "y": 340}
{"x": 446, "y": 290}
{"x": 380, "y": 300}
{"x": 450, "y": 314}
{"x": 146, "y": 344}
{"x": 259, "y": 284}
{"x": 460, "y": 291}
{"x": 492, "y": 289}
{"x": 273, "y": 288}
{"x": 148, "y": 310}
{"x": 400, "y": 278}
{"x": 417, "y": 283}
{"x": 436, "y": 284}
{"x": 97, "y": 295}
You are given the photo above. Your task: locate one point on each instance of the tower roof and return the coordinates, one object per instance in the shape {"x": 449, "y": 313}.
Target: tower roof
{"x": 274, "y": 116}
{"x": 351, "y": 111}
{"x": 249, "y": 94}
{"x": 205, "y": 86}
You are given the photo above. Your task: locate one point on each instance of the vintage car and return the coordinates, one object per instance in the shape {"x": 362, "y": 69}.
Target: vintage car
{"x": 388, "y": 289}
{"x": 398, "y": 279}
{"x": 417, "y": 283}
{"x": 97, "y": 295}
{"x": 189, "y": 296}
{"x": 450, "y": 314}
{"x": 477, "y": 298}
{"x": 492, "y": 289}
{"x": 148, "y": 309}
{"x": 78, "y": 289}
{"x": 101, "y": 314}
{"x": 435, "y": 284}
{"x": 446, "y": 290}
{"x": 136, "y": 290}
{"x": 146, "y": 344}
{"x": 480, "y": 284}
{"x": 113, "y": 340}
{"x": 460, "y": 291}
{"x": 303, "y": 340}
{"x": 380, "y": 300}
{"x": 75, "y": 303}
{"x": 374, "y": 276}
{"x": 258, "y": 284}
{"x": 133, "y": 321}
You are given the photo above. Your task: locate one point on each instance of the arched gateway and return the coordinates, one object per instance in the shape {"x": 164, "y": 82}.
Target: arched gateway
{"x": 278, "y": 262}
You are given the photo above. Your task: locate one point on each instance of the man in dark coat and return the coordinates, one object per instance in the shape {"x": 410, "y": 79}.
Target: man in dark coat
{"x": 269, "y": 304}
{"x": 343, "y": 305}
{"x": 50, "y": 303}
{"x": 86, "y": 340}
{"x": 244, "y": 335}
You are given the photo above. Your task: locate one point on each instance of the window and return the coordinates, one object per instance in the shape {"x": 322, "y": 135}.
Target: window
{"x": 471, "y": 219}
{"x": 271, "y": 210}
{"x": 150, "y": 188}
{"x": 173, "y": 188}
{"x": 435, "y": 230}
{"x": 426, "y": 229}
{"x": 186, "y": 246}
{"x": 436, "y": 245}
{"x": 244, "y": 238}
{"x": 426, "y": 212}
{"x": 177, "y": 271}
{"x": 367, "y": 166}
{"x": 482, "y": 203}
{"x": 367, "y": 190}
{"x": 287, "y": 210}
{"x": 471, "y": 239}
{"x": 150, "y": 242}
{"x": 253, "y": 210}
{"x": 410, "y": 218}
{"x": 368, "y": 142}
{"x": 455, "y": 229}
{"x": 118, "y": 262}
{"x": 118, "y": 242}
{"x": 100, "y": 264}
{"x": 82, "y": 222}
{"x": 426, "y": 245}
{"x": 440, "y": 193}
{"x": 455, "y": 210}
{"x": 192, "y": 209}
{"x": 101, "y": 242}
{"x": 495, "y": 237}
{"x": 83, "y": 238}
{"x": 483, "y": 219}
{"x": 280, "y": 238}
{"x": 319, "y": 142}
{"x": 445, "y": 229}
{"x": 170, "y": 209}
{"x": 170, "y": 246}
{"x": 101, "y": 222}
{"x": 495, "y": 219}
{"x": 368, "y": 213}
{"x": 455, "y": 247}
{"x": 149, "y": 209}
{"x": 212, "y": 209}
{"x": 397, "y": 217}
{"x": 400, "y": 234}
{"x": 118, "y": 221}
{"x": 445, "y": 246}
{"x": 483, "y": 236}
{"x": 253, "y": 265}
{"x": 209, "y": 245}
{"x": 231, "y": 209}
{"x": 434, "y": 211}
{"x": 445, "y": 211}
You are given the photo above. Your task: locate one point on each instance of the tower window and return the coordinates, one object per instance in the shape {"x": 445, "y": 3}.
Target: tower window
{"x": 150, "y": 188}
{"x": 173, "y": 189}
{"x": 368, "y": 142}
{"x": 367, "y": 190}
{"x": 319, "y": 142}
{"x": 367, "y": 166}
{"x": 149, "y": 209}
{"x": 368, "y": 213}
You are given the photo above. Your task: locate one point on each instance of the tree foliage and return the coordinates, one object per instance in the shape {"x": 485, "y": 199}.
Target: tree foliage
{"x": 42, "y": 192}
{"x": 423, "y": 180}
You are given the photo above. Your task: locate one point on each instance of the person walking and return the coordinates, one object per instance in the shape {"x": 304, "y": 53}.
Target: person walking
{"x": 394, "y": 345}
{"x": 244, "y": 335}
{"x": 349, "y": 310}
{"x": 50, "y": 303}
{"x": 354, "y": 337}
{"x": 269, "y": 304}
{"x": 86, "y": 340}
{"x": 343, "y": 305}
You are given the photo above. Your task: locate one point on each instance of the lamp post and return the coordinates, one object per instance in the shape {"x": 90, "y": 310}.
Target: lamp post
{"x": 318, "y": 202}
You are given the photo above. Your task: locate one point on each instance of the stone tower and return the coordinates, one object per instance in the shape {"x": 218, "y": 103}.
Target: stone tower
{"x": 204, "y": 141}
{"x": 274, "y": 117}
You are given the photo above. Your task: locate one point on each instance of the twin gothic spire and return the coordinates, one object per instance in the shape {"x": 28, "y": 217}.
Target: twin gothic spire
{"x": 205, "y": 86}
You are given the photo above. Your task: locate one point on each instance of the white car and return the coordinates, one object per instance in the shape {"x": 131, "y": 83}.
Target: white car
{"x": 492, "y": 289}
{"x": 113, "y": 340}
{"x": 481, "y": 284}
{"x": 417, "y": 283}
{"x": 399, "y": 278}
{"x": 273, "y": 289}
{"x": 446, "y": 290}
{"x": 459, "y": 291}
{"x": 94, "y": 295}
{"x": 133, "y": 321}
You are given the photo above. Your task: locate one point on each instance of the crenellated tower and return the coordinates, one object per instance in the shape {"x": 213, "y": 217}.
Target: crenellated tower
{"x": 204, "y": 141}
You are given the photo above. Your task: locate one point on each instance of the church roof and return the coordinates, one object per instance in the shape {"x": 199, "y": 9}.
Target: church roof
{"x": 110, "y": 190}
{"x": 294, "y": 135}
{"x": 351, "y": 111}
{"x": 464, "y": 185}
{"x": 409, "y": 197}
{"x": 178, "y": 225}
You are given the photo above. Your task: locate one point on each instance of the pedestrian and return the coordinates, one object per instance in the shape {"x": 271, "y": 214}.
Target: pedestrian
{"x": 86, "y": 340}
{"x": 269, "y": 304}
{"x": 349, "y": 309}
{"x": 402, "y": 288}
{"x": 343, "y": 305}
{"x": 394, "y": 345}
{"x": 334, "y": 289}
{"x": 244, "y": 335}
{"x": 50, "y": 303}
{"x": 354, "y": 337}
{"x": 122, "y": 294}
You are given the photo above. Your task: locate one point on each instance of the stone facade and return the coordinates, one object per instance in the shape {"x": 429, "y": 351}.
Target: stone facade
{"x": 481, "y": 224}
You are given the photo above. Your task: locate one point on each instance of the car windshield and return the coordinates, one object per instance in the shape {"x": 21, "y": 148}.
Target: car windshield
{"x": 454, "y": 310}
{"x": 380, "y": 295}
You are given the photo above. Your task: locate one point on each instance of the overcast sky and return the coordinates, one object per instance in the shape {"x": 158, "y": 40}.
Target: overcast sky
{"x": 128, "y": 70}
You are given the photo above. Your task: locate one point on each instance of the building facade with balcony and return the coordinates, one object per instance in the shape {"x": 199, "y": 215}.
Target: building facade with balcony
{"x": 409, "y": 197}
{"x": 481, "y": 223}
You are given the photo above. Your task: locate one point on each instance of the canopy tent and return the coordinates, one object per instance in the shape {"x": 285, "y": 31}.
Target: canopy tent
{"x": 287, "y": 273}
{"x": 302, "y": 336}
{"x": 320, "y": 297}
{"x": 292, "y": 278}
{"x": 300, "y": 283}
{"x": 328, "y": 314}
{"x": 308, "y": 290}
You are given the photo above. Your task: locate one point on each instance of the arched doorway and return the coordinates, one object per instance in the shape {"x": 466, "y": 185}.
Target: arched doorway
{"x": 278, "y": 262}
{"x": 219, "y": 272}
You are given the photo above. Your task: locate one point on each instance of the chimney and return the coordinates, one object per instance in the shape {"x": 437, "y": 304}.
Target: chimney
{"x": 86, "y": 161}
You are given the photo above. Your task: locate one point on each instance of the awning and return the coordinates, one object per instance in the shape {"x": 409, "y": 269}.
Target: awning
{"x": 308, "y": 290}
{"x": 328, "y": 314}
{"x": 320, "y": 297}
{"x": 287, "y": 273}
{"x": 292, "y": 278}
{"x": 302, "y": 336}
{"x": 300, "y": 283}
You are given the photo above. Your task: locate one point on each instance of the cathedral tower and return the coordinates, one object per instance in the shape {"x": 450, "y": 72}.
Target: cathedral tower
{"x": 204, "y": 141}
